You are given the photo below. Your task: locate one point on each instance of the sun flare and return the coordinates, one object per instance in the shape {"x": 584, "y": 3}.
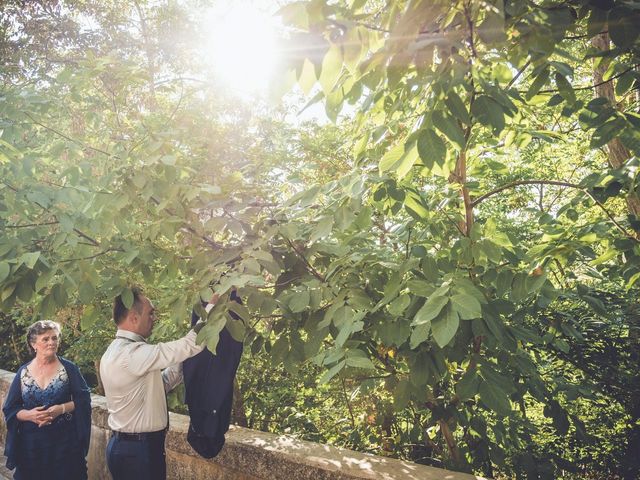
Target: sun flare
{"x": 241, "y": 46}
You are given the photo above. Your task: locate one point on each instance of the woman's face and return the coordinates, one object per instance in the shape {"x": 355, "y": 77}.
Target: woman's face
{"x": 46, "y": 343}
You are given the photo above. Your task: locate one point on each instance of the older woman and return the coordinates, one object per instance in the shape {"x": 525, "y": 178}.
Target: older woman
{"x": 48, "y": 412}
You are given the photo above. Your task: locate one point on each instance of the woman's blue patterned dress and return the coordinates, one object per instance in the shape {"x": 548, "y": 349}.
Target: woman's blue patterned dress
{"x": 50, "y": 452}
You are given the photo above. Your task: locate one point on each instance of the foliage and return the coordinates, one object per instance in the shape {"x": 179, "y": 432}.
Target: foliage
{"x": 457, "y": 259}
{"x": 435, "y": 248}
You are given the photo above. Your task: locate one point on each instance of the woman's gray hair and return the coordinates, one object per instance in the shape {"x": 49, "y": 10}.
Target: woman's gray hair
{"x": 39, "y": 328}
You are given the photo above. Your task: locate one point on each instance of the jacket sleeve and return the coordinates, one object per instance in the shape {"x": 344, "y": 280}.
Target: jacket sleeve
{"x": 82, "y": 401}
{"x": 12, "y": 405}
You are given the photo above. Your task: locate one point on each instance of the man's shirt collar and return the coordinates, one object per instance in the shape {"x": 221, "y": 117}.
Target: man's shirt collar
{"x": 129, "y": 335}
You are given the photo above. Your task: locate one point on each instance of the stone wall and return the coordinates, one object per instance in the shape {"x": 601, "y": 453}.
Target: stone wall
{"x": 253, "y": 455}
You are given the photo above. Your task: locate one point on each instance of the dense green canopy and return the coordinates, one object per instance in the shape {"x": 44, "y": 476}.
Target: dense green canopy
{"x": 448, "y": 273}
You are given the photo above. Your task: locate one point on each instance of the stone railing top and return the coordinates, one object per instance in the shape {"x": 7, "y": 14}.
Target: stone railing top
{"x": 263, "y": 455}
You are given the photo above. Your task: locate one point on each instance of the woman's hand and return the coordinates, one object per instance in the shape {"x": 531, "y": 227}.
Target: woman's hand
{"x": 54, "y": 412}
{"x": 38, "y": 415}
{"x": 41, "y": 416}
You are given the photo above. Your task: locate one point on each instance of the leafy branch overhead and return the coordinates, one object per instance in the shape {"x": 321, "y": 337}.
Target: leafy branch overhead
{"x": 457, "y": 254}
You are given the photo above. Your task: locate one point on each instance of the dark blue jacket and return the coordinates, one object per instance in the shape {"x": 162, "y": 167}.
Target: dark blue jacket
{"x": 208, "y": 381}
{"x": 82, "y": 413}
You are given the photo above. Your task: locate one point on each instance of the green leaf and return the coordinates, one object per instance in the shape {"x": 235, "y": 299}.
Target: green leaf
{"x": 503, "y": 282}
{"x": 391, "y": 159}
{"x": 607, "y": 132}
{"x": 541, "y": 79}
{"x": 624, "y": 26}
{"x": 431, "y": 148}
{"x": 467, "y": 386}
{"x": 304, "y": 199}
{"x": 86, "y": 292}
{"x": 419, "y": 335}
{"x": 360, "y": 362}
{"x": 299, "y": 301}
{"x": 488, "y": 112}
{"x": 24, "y": 290}
{"x": 565, "y": 88}
{"x": 519, "y": 287}
{"x": 401, "y": 394}
{"x": 307, "y": 77}
{"x": 332, "y": 372}
{"x": 407, "y": 161}
{"x": 491, "y": 30}
{"x": 351, "y": 325}
{"x": 334, "y": 104}
{"x": 5, "y": 269}
{"x": 399, "y": 305}
{"x": 450, "y": 128}
{"x": 420, "y": 287}
{"x": 494, "y": 398}
{"x": 430, "y": 310}
{"x": 467, "y": 306}
{"x": 634, "y": 278}
{"x": 210, "y": 333}
{"x": 491, "y": 375}
{"x": 126, "y": 295}
{"x": 420, "y": 370}
{"x": 7, "y": 292}
{"x": 445, "y": 327}
{"x": 279, "y": 349}
{"x": 236, "y": 329}
{"x": 89, "y": 317}
{"x": 457, "y": 108}
{"x": 322, "y": 229}
{"x": 60, "y": 295}
{"x": 331, "y": 67}
{"x": 239, "y": 309}
{"x": 295, "y": 14}
{"x": 416, "y": 207}
{"x": 29, "y": 259}
{"x": 597, "y": 21}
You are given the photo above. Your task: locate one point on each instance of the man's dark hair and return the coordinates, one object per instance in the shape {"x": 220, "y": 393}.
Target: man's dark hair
{"x": 120, "y": 311}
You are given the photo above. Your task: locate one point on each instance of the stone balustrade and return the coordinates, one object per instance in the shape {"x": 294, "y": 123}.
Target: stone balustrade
{"x": 253, "y": 455}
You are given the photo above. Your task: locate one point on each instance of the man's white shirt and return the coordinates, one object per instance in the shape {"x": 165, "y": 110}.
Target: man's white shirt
{"x": 136, "y": 377}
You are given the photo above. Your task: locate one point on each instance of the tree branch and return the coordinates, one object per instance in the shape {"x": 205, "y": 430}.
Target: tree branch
{"x": 108, "y": 250}
{"x": 27, "y": 225}
{"x": 585, "y": 190}
{"x": 93, "y": 241}
{"x": 310, "y": 268}
{"x": 66, "y": 137}
{"x": 517, "y": 183}
{"x": 212, "y": 243}
{"x": 517, "y": 75}
{"x": 595, "y": 85}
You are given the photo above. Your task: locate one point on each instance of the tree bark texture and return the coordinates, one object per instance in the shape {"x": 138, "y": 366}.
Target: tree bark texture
{"x": 617, "y": 152}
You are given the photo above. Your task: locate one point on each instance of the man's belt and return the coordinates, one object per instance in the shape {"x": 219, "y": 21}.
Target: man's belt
{"x": 138, "y": 437}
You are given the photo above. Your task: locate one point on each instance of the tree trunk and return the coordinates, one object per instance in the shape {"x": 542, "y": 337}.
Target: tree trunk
{"x": 618, "y": 155}
{"x": 617, "y": 152}
{"x": 148, "y": 46}
{"x": 451, "y": 442}
{"x": 239, "y": 415}
{"x": 459, "y": 175}
{"x": 100, "y": 387}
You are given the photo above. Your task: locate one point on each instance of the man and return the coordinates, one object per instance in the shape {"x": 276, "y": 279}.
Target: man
{"x": 136, "y": 378}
